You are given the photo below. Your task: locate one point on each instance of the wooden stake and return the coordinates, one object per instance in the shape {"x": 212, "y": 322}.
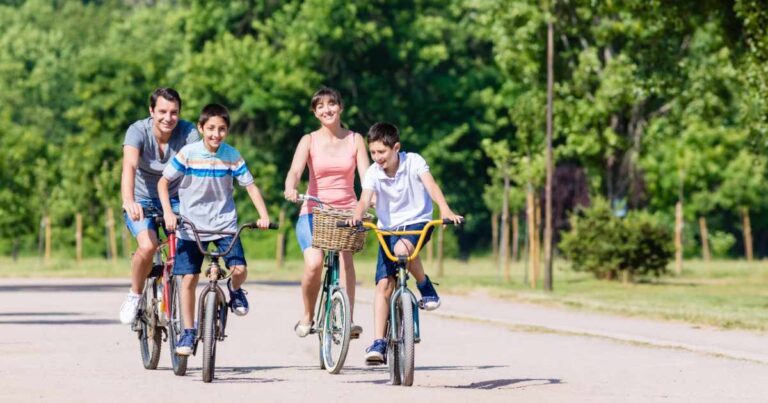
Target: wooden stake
{"x": 111, "y": 234}
{"x": 47, "y": 238}
{"x": 79, "y": 237}
{"x": 515, "y": 235}
{"x": 531, "y": 214}
{"x": 747, "y": 233}
{"x": 504, "y": 247}
{"x": 495, "y": 236}
{"x": 679, "y": 238}
{"x": 705, "y": 254}
{"x": 280, "y": 247}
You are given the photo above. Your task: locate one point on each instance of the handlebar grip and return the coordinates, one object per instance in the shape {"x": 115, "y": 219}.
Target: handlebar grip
{"x": 448, "y": 221}
{"x": 343, "y": 224}
{"x": 273, "y": 226}
{"x": 253, "y": 225}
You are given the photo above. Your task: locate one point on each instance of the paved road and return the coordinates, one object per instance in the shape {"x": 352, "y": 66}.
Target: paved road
{"x": 60, "y": 341}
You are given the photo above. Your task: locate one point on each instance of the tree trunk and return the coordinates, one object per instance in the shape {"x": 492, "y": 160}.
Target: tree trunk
{"x": 440, "y": 267}
{"x": 537, "y": 262}
{"x": 705, "y": 254}
{"x": 112, "y": 252}
{"x": 495, "y": 236}
{"x": 679, "y": 238}
{"x": 747, "y": 233}
{"x": 79, "y": 237}
{"x": 515, "y": 235}
{"x": 41, "y": 238}
{"x": 280, "y": 246}
{"x": 504, "y": 249}
{"x": 532, "y": 256}
{"x": 15, "y": 249}
{"x": 549, "y": 162}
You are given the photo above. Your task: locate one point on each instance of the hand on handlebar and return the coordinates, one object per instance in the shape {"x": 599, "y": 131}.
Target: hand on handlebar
{"x": 170, "y": 220}
{"x": 291, "y": 195}
{"x": 450, "y": 215}
{"x": 263, "y": 223}
{"x": 134, "y": 210}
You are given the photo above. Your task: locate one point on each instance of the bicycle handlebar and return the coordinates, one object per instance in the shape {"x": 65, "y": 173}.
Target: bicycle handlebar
{"x": 305, "y": 197}
{"x": 184, "y": 222}
{"x": 364, "y": 226}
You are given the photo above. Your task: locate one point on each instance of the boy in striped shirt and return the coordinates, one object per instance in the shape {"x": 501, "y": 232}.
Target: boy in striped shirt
{"x": 207, "y": 170}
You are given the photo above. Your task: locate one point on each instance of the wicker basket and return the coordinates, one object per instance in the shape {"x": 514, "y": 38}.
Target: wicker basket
{"x": 327, "y": 236}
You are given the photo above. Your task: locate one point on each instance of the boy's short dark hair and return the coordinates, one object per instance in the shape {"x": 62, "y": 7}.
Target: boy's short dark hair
{"x": 213, "y": 110}
{"x": 167, "y": 93}
{"x": 386, "y": 133}
{"x": 326, "y": 92}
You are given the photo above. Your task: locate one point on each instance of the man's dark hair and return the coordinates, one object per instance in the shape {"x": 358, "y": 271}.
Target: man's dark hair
{"x": 387, "y": 133}
{"x": 326, "y": 92}
{"x": 167, "y": 93}
{"x": 213, "y": 110}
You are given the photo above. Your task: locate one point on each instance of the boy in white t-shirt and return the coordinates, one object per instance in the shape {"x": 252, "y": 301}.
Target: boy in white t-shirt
{"x": 404, "y": 191}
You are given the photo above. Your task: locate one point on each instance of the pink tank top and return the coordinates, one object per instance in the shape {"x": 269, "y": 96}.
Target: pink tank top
{"x": 332, "y": 176}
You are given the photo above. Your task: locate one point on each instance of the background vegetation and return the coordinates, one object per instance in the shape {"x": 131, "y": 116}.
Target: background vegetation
{"x": 655, "y": 101}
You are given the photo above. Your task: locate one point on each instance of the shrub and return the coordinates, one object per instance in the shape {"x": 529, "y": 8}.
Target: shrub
{"x": 720, "y": 243}
{"x": 601, "y": 243}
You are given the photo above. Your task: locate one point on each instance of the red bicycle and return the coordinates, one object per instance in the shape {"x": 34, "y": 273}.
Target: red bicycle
{"x": 158, "y": 320}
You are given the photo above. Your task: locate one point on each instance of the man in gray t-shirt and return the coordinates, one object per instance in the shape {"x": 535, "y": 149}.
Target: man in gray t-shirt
{"x": 148, "y": 147}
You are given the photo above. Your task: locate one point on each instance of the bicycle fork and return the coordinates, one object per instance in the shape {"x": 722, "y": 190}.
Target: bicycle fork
{"x": 403, "y": 289}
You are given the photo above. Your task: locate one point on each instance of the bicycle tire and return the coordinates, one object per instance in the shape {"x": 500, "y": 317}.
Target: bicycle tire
{"x": 149, "y": 344}
{"x": 176, "y": 328}
{"x": 209, "y": 337}
{"x": 320, "y": 327}
{"x": 337, "y": 332}
{"x": 407, "y": 352}
{"x": 393, "y": 352}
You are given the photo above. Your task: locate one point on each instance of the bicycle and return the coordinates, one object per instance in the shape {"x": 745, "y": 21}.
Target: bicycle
{"x": 152, "y": 319}
{"x": 403, "y": 329}
{"x": 333, "y": 317}
{"x": 212, "y": 302}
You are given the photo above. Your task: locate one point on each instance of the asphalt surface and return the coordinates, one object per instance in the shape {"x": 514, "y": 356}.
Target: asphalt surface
{"x": 60, "y": 340}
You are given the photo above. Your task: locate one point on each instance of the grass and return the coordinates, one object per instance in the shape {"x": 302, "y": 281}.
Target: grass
{"x": 725, "y": 294}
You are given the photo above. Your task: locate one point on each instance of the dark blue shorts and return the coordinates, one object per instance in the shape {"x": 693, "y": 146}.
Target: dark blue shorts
{"x": 386, "y": 267}
{"x": 189, "y": 260}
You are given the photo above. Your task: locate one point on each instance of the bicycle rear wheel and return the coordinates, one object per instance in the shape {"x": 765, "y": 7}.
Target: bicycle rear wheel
{"x": 209, "y": 336}
{"x": 176, "y": 328}
{"x": 336, "y": 332}
{"x": 150, "y": 334}
{"x": 405, "y": 348}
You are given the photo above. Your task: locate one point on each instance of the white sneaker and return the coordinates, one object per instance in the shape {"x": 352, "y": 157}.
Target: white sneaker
{"x": 129, "y": 308}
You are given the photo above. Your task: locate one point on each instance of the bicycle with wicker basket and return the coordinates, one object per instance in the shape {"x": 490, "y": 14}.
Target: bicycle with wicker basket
{"x": 333, "y": 319}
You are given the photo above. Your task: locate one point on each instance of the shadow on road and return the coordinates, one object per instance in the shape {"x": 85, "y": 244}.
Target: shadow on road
{"x": 502, "y": 383}
{"x": 238, "y": 374}
{"x": 61, "y": 322}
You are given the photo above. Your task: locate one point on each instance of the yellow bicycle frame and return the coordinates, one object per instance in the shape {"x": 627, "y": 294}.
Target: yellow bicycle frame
{"x": 422, "y": 234}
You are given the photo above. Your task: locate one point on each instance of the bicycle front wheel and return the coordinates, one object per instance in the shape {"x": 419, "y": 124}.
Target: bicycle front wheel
{"x": 336, "y": 332}
{"x": 150, "y": 335}
{"x": 405, "y": 346}
{"x": 209, "y": 336}
{"x": 176, "y": 328}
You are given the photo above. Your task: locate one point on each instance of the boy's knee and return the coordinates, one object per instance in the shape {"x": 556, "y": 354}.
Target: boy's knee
{"x": 385, "y": 285}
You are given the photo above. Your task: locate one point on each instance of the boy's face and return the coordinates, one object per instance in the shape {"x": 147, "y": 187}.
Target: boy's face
{"x": 214, "y": 131}
{"x": 165, "y": 115}
{"x": 328, "y": 112}
{"x": 383, "y": 155}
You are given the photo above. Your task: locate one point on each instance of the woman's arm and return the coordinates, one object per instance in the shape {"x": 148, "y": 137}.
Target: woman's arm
{"x": 300, "y": 157}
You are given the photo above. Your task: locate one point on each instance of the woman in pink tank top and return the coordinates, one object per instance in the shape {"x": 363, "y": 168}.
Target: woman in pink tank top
{"x": 332, "y": 154}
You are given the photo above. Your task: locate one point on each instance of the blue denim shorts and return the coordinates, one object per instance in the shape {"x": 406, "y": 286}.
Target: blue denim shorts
{"x": 304, "y": 231}
{"x": 386, "y": 267}
{"x": 189, "y": 260}
{"x": 147, "y": 223}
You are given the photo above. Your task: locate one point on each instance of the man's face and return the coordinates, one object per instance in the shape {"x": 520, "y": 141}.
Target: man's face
{"x": 165, "y": 115}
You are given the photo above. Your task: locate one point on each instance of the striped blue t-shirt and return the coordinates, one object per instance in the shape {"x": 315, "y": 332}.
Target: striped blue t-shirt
{"x": 206, "y": 189}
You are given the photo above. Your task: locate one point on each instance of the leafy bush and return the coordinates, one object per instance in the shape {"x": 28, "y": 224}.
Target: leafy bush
{"x": 720, "y": 243}
{"x": 601, "y": 243}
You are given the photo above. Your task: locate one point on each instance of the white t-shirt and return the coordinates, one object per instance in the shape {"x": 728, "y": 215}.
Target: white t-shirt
{"x": 401, "y": 200}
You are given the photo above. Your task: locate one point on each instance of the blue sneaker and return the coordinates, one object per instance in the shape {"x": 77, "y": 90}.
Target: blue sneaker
{"x": 187, "y": 342}
{"x": 237, "y": 300}
{"x": 374, "y": 355}
{"x": 429, "y": 298}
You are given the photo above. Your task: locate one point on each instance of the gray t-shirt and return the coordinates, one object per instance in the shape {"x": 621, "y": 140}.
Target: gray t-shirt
{"x": 151, "y": 166}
